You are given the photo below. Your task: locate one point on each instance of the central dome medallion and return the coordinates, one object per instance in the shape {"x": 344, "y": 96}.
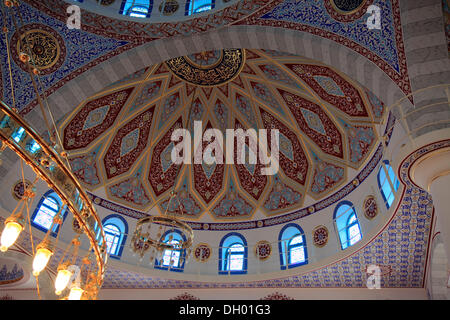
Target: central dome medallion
{"x": 208, "y": 68}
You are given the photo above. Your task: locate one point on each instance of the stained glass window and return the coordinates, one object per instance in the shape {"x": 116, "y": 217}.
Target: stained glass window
{"x": 388, "y": 183}
{"x": 292, "y": 247}
{"x": 347, "y": 224}
{"x": 116, "y": 229}
{"x": 48, "y": 207}
{"x": 233, "y": 254}
{"x": 136, "y": 8}
{"x": 198, "y": 6}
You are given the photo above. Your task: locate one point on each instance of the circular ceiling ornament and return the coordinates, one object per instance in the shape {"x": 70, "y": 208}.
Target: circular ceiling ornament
{"x": 202, "y": 252}
{"x": 208, "y": 68}
{"x": 320, "y": 236}
{"x": 348, "y": 6}
{"x": 263, "y": 250}
{"x": 47, "y": 47}
{"x": 169, "y": 7}
{"x": 106, "y": 2}
{"x": 370, "y": 207}
{"x": 18, "y": 189}
{"x": 347, "y": 10}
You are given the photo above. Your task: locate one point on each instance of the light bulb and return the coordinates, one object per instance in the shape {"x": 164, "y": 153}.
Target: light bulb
{"x": 75, "y": 293}
{"x": 40, "y": 260}
{"x": 10, "y": 234}
{"x": 62, "y": 280}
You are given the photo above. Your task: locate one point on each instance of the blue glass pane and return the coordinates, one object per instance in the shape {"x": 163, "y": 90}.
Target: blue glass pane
{"x": 44, "y": 217}
{"x": 355, "y": 234}
{"x": 297, "y": 255}
{"x": 296, "y": 240}
{"x": 236, "y": 262}
{"x": 18, "y": 134}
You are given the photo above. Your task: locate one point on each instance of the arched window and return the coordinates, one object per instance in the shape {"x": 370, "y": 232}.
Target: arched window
{"x": 48, "y": 207}
{"x": 198, "y": 6}
{"x": 292, "y": 246}
{"x": 136, "y": 8}
{"x": 388, "y": 183}
{"x": 233, "y": 254}
{"x": 172, "y": 260}
{"x": 116, "y": 230}
{"x": 347, "y": 224}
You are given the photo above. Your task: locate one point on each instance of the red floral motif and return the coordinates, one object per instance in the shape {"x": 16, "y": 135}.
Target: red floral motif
{"x": 75, "y": 137}
{"x": 159, "y": 180}
{"x": 208, "y": 188}
{"x": 185, "y": 296}
{"x": 254, "y": 183}
{"x": 351, "y": 103}
{"x": 202, "y": 252}
{"x": 116, "y": 163}
{"x": 277, "y": 296}
{"x": 331, "y": 142}
{"x": 298, "y": 168}
{"x": 320, "y": 236}
{"x": 263, "y": 250}
{"x": 370, "y": 207}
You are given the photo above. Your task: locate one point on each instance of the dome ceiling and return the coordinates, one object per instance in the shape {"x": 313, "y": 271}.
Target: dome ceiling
{"x": 119, "y": 140}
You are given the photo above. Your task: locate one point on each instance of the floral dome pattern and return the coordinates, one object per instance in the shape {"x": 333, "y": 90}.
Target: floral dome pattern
{"x": 119, "y": 140}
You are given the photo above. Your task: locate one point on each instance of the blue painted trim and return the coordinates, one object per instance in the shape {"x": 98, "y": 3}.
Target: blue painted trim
{"x": 221, "y": 260}
{"x": 280, "y": 247}
{"x": 347, "y": 226}
{"x": 182, "y": 255}
{"x": 380, "y": 186}
{"x": 123, "y": 237}
{"x": 49, "y": 193}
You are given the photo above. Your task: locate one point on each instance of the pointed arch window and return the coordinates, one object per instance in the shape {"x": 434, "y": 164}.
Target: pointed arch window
{"x": 198, "y": 6}
{"x": 116, "y": 230}
{"x": 347, "y": 224}
{"x": 292, "y": 247}
{"x": 233, "y": 254}
{"x": 48, "y": 207}
{"x": 388, "y": 183}
{"x": 137, "y": 8}
{"x": 172, "y": 259}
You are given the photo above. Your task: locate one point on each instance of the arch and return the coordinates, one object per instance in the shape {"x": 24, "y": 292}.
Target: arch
{"x": 116, "y": 231}
{"x": 136, "y": 8}
{"x": 198, "y": 6}
{"x": 388, "y": 183}
{"x": 47, "y": 208}
{"x": 347, "y": 224}
{"x": 304, "y": 44}
{"x": 292, "y": 246}
{"x": 231, "y": 244}
{"x": 178, "y": 256}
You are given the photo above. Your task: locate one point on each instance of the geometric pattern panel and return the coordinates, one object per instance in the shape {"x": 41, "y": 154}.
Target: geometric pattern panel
{"x": 128, "y": 144}
{"x": 94, "y": 119}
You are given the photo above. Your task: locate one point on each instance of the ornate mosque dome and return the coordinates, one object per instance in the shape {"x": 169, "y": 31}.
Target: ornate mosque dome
{"x": 119, "y": 140}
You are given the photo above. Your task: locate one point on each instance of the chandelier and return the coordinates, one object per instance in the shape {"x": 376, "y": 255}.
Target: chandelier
{"x": 78, "y": 276}
{"x": 150, "y": 232}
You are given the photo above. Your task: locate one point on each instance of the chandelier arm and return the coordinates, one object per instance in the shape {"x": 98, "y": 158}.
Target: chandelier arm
{"x": 65, "y": 184}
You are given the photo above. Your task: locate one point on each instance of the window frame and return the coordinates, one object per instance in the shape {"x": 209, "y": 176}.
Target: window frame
{"x": 347, "y": 225}
{"x": 287, "y": 240}
{"x": 393, "y": 185}
{"x": 224, "y": 254}
{"x": 123, "y": 233}
{"x": 179, "y": 268}
{"x": 126, "y": 12}
{"x": 53, "y": 195}
{"x": 190, "y": 12}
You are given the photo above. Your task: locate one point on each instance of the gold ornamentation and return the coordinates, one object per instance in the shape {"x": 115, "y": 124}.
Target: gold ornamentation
{"x": 320, "y": 236}
{"x": 370, "y": 207}
{"x": 43, "y": 46}
{"x": 263, "y": 250}
{"x": 202, "y": 252}
{"x": 210, "y": 68}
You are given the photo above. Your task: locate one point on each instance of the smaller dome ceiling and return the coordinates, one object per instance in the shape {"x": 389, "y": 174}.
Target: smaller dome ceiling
{"x": 120, "y": 139}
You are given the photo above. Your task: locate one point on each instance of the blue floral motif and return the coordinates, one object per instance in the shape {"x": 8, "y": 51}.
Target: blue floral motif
{"x": 82, "y": 47}
{"x": 314, "y": 14}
